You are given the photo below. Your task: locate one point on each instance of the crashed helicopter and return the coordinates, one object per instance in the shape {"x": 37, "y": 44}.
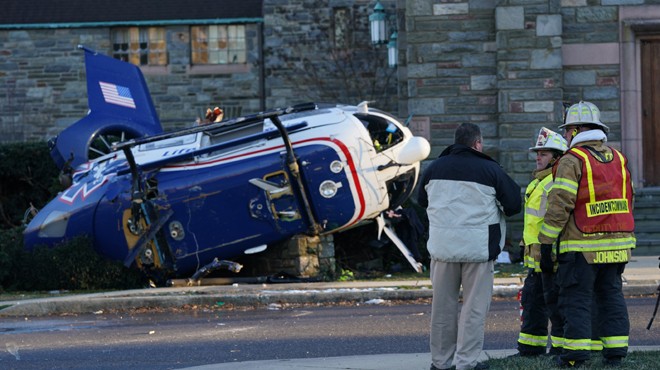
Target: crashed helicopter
{"x": 177, "y": 203}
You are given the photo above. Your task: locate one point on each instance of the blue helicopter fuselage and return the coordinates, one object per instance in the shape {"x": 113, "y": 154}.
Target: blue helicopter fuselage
{"x": 240, "y": 197}
{"x": 170, "y": 203}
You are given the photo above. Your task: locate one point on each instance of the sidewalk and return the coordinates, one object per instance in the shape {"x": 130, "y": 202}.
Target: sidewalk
{"x": 641, "y": 277}
{"x": 375, "y": 362}
{"x": 421, "y": 361}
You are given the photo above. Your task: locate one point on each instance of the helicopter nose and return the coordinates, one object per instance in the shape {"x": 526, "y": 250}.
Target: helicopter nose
{"x": 415, "y": 150}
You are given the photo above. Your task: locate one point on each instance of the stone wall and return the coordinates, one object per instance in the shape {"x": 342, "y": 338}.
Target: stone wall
{"x": 529, "y": 80}
{"x": 43, "y": 87}
{"x": 42, "y": 83}
{"x": 647, "y": 222}
{"x": 500, "y": 64}
{"x": 450, "y": 68}
{"x": 321, "y": 51}
{"x": 597, "y": 80}
{"x": 508, "y": 65}
{"x": 301, "y": 256}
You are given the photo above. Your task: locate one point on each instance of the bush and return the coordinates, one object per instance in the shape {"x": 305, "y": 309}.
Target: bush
{"x": 11, "y": 250}
{"x": 73, "y": 265}
{"x": 27, "y": 176}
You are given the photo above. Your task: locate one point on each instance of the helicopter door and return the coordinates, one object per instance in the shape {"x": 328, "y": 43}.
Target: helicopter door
{"x": 281, "y": 199}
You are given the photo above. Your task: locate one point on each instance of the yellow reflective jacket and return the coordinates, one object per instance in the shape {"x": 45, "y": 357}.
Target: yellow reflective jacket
{"x": 536, "y": 201}
{"x": 559, "y": 220}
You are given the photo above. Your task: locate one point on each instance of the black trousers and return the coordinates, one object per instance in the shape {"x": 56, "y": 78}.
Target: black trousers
{"x": 539, "y": 299}
{"x": 579, "y": 283}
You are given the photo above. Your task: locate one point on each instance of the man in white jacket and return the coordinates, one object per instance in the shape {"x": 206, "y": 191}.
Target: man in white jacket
{"x": 466, "y": 195}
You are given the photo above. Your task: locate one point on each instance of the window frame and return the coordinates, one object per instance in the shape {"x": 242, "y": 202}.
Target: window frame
{"x": 218, "y": 45}
{"x": 141, "y": 46}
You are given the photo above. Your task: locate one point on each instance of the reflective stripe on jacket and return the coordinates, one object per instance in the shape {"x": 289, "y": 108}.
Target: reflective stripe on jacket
{"x": 604, "y": 197}
{"x": 559, "y": 221}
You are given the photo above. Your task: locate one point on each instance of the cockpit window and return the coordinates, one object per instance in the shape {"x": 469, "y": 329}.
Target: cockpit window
{"x": 400, "y": 188}
{"x": 384, "y": 133}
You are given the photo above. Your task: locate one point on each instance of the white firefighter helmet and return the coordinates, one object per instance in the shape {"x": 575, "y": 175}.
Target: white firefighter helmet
{"x": 550, "y": 140}
{"x": 584, "y": 113}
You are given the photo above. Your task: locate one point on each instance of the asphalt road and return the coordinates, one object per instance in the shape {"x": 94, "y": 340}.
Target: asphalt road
{"x": 173, "y": 339}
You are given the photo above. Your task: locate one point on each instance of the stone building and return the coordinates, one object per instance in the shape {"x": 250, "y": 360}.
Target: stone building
{"x": 508, "y": 65}
{"x": 244, "y": 56}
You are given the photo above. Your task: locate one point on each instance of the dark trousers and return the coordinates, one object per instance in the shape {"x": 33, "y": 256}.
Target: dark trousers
{"x": 551, "y": 297}
{"x": 579, "y": 283}
{"x": 539, "y": 300}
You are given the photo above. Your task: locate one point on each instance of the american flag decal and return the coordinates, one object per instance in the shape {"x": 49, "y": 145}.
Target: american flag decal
{"x": 115, "y": 94}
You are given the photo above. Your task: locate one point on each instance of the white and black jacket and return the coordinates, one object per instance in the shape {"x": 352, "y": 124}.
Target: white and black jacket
{"x": 466, "y": 195}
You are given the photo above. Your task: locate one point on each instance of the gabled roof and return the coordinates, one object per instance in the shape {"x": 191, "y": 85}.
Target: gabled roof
{"x": 85, "y": 13}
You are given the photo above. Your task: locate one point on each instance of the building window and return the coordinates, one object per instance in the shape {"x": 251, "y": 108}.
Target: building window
{"x": 218, "y": 44}
{"x": 141, "y": 46}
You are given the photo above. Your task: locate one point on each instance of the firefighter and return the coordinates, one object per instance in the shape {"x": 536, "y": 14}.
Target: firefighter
{"x": 539, "y": 292}
{"x": 590, "y": 216}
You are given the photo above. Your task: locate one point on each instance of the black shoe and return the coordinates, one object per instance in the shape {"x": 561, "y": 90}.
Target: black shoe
{"x": 559, "y": 362}
{"x": 612, "y": 361}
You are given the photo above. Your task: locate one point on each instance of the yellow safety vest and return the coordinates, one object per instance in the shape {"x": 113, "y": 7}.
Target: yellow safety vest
{"x": 615, "y": 246}
{"x": 536, "y": 200}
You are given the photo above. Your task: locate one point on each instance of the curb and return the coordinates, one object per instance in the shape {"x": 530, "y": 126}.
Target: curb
{"x": 83, "y": 304}
{"x": 252, "y": 296}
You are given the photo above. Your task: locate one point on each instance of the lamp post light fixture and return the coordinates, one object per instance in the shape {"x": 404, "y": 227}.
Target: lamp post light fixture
{"x": 392, "y": 51}
{"x": 378, "y": 22}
